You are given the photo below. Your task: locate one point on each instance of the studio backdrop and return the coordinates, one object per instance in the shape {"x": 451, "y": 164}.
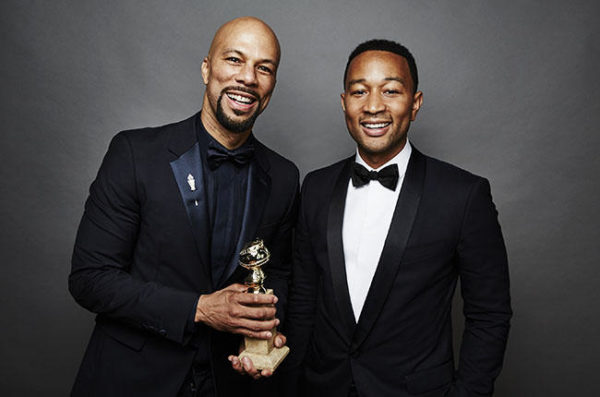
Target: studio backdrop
{"x": 511, "y": 92}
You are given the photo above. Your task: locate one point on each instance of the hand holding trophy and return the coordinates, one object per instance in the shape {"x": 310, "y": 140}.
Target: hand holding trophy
{"x": 263, "y": 353}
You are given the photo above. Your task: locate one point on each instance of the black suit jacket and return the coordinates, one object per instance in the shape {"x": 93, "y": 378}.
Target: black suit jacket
{"x": 444, "y": 227}
{"x": 141, "y": 260}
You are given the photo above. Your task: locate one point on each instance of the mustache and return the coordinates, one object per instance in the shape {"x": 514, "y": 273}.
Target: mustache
{"x": 240, "y": 88}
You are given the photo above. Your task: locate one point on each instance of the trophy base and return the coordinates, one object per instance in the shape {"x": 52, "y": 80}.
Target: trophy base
{"x": 268, "y": 361}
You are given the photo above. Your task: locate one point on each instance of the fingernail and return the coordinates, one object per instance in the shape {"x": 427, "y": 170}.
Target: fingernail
{"x": 275, "y": 299}
{"x": 276, "y": 321}
{"x": 269, "y": 334}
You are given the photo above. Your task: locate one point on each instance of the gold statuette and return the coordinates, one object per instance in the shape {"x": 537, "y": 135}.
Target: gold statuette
{"x": 263, "y": 353}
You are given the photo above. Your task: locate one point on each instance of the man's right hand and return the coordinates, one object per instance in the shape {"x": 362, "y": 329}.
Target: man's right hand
{"x": 235, "y": 311}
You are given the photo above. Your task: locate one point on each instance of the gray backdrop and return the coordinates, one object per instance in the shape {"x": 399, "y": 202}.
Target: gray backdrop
{"x": 511, "y": 93}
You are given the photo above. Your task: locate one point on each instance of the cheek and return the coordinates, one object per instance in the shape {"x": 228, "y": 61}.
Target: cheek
{"x": 352, "y": 111}
{"x": 267, "y": 85}
{"x": 402, "y": 111}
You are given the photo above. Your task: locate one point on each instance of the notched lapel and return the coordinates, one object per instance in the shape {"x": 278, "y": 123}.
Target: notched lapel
{"x": 257, "y": 194}
{"x": 393, "y": 249}
{"x": 335, "y": 248}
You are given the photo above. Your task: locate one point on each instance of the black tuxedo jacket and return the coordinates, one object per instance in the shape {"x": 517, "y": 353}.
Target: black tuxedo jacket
{"x": 141, "y": 260}
{"x": 444, "y": 227}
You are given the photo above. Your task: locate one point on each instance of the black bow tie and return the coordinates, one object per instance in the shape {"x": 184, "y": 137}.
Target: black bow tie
{"x": 388, "y": 177}
{"x": 218, "y": 154}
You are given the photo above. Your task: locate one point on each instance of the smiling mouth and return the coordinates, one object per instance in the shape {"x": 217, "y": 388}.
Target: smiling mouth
{"x": 375, "y": 125}
{"x": 241, "y": 99}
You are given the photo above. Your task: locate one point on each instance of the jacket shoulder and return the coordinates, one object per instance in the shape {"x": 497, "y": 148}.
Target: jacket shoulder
{"x": 158, "y": 134}
{"x": 278, "y": 162}
{"x": 449, "y": 173}
{"x": 326, "y": 174}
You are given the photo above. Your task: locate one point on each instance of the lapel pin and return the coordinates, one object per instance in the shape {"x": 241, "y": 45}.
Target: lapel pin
{"x": 192, "y": 182}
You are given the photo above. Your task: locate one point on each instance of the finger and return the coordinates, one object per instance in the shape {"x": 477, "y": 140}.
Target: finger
{"x": 237, "y": 287}
{"x": 256, "y": 313}
{"x": 236, "y": 364}
{"x": 257, "y": 299}
{"x": 255, "y": 325}
{"x": 253, "y": 334}
{"x": 280, "y": 340}
{"x": 249, "y": 368}
{"x": 265, "y": 373}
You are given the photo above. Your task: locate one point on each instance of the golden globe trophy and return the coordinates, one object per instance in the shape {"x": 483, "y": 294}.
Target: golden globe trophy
{"x": 262, "y": 352}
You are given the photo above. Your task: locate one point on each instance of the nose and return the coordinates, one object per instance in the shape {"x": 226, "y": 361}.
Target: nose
{"x": 247, "y": 75}
{"x": 374, "y": 104}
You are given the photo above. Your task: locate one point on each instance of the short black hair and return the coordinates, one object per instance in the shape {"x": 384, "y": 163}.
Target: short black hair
{"x": 389, "y": 46}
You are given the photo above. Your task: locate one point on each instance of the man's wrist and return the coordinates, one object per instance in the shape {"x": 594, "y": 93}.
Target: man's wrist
{"x": 198, "y": 312}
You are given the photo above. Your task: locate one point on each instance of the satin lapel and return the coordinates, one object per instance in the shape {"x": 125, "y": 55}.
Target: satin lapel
{"x": 187, "y": 170}
{"x": 257, "y": 193}
{"x": 393, "y": 249}
{"x": 335, "y": 247}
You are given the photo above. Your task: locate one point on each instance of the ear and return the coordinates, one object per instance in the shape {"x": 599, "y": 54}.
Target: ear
{"x": 205, "y": 70}
{"x": 343, "y": 98}
{"x": 417, "y": 102}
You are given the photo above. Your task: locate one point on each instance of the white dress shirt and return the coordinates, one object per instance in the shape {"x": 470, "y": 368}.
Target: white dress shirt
{"x": 367, "y": 219}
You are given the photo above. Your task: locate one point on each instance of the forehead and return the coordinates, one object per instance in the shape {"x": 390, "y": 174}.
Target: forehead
{"x": 250, "y": 39}
{"x": 376, "y": 66}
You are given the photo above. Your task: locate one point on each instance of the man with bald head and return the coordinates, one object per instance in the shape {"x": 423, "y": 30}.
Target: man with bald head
{"x": 156, "y": 252}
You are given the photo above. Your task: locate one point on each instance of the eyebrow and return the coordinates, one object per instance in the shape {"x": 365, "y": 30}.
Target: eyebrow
{"x": 398, "y": 79}
{"x": 267, "y": 60}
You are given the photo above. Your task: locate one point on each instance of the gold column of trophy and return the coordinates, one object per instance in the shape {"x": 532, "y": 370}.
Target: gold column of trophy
{"x": 262, "y": 352}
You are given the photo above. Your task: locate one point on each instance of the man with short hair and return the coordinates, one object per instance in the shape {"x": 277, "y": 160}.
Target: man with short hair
{"x": 381, "y": 240}
{"x": 156, "y": 255}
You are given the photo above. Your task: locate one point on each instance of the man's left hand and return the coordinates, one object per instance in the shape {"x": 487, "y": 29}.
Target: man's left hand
{"x": 245, "y": 365}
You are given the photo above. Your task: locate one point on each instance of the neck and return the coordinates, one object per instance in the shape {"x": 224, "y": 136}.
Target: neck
{"x": 376, "y": 160}
{"x": 231, "y": 140}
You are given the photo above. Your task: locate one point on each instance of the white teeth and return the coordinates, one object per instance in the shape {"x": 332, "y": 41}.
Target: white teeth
{"x": 378, "y": 125}
{"x": 240, "y": 98}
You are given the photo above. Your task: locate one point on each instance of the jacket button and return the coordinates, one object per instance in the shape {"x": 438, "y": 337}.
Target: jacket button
{"x": 163, "y": 332}
{"x": 355, "y": 354}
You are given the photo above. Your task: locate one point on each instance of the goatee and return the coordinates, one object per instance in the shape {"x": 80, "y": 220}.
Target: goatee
{"x": 233, "y": 125}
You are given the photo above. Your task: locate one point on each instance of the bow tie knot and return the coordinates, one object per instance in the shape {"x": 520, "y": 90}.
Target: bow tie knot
{"x": 217, "y": 154}
{"x": 388, "y": 176}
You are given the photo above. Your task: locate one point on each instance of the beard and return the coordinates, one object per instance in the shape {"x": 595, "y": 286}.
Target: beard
{"x": 233, "y": 125}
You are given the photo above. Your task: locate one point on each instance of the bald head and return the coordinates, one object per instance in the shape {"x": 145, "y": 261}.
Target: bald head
{"x": 240, "y": 73}
{"x": 245, "y": 26}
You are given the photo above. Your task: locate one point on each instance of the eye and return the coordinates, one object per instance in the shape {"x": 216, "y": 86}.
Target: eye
{"x": 358, "y": 92}
{"x": 391, "y": 92}
{"x": 265, "y": 69}
{"x": 233, "y": 59}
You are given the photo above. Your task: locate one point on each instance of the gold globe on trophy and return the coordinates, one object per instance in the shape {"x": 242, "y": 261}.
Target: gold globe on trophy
{"x": 262, "y": 352}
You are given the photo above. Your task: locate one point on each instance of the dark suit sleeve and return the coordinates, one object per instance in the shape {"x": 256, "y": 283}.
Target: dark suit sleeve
{"x": 280, "y": 266}
{"x": 101, "y": 277}
{"x": 484, "y": 280}
{"x": 302, "y": 302}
